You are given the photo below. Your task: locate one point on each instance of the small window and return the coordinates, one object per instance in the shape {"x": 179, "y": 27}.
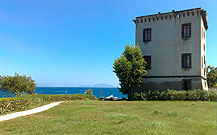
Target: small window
{"x": 204, "y": 34}
{"x": 204, "y": 71}
{"x": 204, "y": 60}
{"x": 186, "y": 30}
{"x": 186, "y": 84}
{"x": 147, "y": 35}
{"x": 148, "y": 61}
{"x": 186, "y": 60}
{"x": 204, "y": 47}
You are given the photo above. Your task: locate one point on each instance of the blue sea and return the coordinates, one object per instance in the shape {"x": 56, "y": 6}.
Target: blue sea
{"x": 98, "y": 92}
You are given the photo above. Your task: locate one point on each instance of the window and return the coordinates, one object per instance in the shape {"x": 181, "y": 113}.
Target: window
{"x": 204, "y": 47}
{"x": 186, "y": 84}
{"x": 148, "y": 61}
{"x": 186, "y": 30}
{"x": 186, "y": 60}
{"x": 204, "y": 34}
{"x": 204, "y": 71}
{"x": 147, "y": 35}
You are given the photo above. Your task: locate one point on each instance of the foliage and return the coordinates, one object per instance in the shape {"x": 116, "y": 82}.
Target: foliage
{"x": 130, "y": 68}
{"x": 12, "y": 104}
{"x": 182, "y": 95}
{"x": 25, "y": 101}
{"x": 90, "y": 93}
{"x": 211, "y": 76}
{"x": 17, "y": 84}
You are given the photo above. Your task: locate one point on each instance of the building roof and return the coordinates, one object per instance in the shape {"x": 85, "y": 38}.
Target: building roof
{"x": 202, "y": 13}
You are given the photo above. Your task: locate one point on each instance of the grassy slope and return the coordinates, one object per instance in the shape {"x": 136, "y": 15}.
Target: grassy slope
{"x": 102, "y": 117}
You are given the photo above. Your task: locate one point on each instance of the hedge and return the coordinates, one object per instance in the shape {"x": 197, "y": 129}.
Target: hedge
{"x": 191, "y": 95}
{"x": 24, "y": 102}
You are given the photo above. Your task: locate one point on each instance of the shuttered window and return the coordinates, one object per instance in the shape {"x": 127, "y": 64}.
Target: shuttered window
{"x": 147, "y": 35}
{"x": 186, "y": 60}
{"x": 186, "y": 30}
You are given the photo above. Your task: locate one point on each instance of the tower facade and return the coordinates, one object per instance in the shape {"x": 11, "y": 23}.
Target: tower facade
{"x": 174, "y": 47}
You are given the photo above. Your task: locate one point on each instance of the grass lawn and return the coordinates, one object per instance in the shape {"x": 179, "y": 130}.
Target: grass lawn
{"x": 119, "y": 117}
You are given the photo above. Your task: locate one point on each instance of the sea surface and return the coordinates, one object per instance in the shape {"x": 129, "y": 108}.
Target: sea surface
{"x": 98, "y": 92}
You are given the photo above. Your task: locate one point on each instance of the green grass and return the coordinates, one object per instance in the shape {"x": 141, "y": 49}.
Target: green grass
{"x": 120, "y": 117}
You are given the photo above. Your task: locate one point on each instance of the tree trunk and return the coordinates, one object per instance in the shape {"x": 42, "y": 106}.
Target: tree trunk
{"x": 130, "y": 95}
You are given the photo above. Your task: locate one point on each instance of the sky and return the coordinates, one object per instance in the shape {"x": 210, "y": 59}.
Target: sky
{"x": 75, "y": 42}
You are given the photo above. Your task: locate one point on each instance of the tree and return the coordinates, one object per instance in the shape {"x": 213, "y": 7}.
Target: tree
{"x": 211, "y": 76}
{"x": 90, "y": 93}
{"x": 17, "y": 84}
{"x": 130, "y": 68}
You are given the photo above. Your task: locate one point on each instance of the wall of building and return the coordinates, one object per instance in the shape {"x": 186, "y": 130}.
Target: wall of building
{"x": 166, "y": 47}
{"x": 203, "y": 54}
{"x": 169, "y": 83}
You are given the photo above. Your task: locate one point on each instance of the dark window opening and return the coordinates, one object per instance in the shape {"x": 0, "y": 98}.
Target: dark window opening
{"x": 186, "y": 60}
{"x": 186, "y": 84}
{"x": 148, "y": 61}
{"x": 205, "y": 71}
{"x": 186, "y": 30}
{"x": 204, "y": 60}
{"x": 147, "y": 35}
{"x": 204, "y": 47}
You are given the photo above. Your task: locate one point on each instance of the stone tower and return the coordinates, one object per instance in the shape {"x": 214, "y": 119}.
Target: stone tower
{"x": 174, "y": 47}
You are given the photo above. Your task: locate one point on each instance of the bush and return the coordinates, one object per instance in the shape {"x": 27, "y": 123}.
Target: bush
{"x": 25, "y": 101}
{"x": 213, "y": 95}
{"x": 191, "y": 95}
{"x": 175, "y": 95}
{"x": 12, "y": 104}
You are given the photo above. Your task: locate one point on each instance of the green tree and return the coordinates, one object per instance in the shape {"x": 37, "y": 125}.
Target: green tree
{"x": 90, "y": 93}
{"x": 130, "y": 68}
{"x": 211, "y": 76}
{"x": 17, "y": 84}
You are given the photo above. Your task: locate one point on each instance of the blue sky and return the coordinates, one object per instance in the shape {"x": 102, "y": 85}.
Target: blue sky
{"x": 75, "y": 42}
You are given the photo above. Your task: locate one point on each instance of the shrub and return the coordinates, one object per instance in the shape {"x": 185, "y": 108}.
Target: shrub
{"x": 25, "y": 101}
{"x": 191, "y": 95}
{"x": 212, "y": 95}
{"x": 175, "y": 95}
{"x": 12, "y": 104}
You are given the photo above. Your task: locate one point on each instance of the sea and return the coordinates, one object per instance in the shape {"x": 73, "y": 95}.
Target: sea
{"x": 98, "y": 92}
